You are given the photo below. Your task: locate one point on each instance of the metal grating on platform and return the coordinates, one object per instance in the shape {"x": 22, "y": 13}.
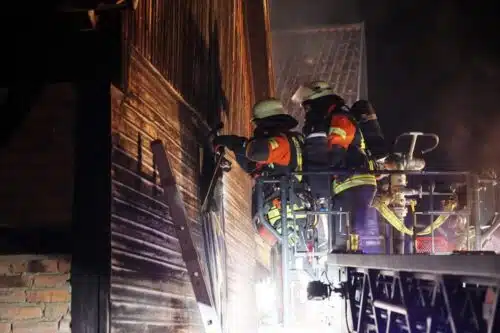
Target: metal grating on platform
{"x": 420, "y": 293}
{"x": 333, "y": 54}
{"x": 487, "y": 265}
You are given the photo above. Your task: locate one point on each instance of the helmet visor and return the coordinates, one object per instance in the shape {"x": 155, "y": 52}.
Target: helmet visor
{"x": 302, "y": 94}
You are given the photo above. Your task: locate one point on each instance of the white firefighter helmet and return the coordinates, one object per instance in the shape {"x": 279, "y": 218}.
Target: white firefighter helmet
{"x": 312, "y": 91}
{"x": 267, "y": 108}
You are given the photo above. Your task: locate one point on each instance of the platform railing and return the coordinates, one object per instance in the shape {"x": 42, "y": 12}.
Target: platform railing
{"x": 425, "y": 181}
{"x": 471, "y": 211}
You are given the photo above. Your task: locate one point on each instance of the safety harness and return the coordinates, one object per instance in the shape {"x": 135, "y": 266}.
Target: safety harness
{"x": 272, "y": 204}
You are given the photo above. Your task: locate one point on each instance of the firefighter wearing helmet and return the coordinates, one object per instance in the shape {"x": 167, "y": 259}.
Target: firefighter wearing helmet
{"x": 333, "y": 140}
{"x": 273, "y": 150}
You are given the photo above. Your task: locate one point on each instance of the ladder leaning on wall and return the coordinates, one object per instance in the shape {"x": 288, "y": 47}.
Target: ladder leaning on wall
{"x": 172, "y": 198}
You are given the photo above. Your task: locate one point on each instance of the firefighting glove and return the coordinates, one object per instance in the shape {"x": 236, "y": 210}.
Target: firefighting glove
{"x": 231, "y": 142}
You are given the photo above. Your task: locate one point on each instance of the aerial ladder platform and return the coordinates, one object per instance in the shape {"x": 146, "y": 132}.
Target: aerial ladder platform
{"x": 414, "y": 293}
{"x": 400, "y": 290}
{"x": 455, "y": 292}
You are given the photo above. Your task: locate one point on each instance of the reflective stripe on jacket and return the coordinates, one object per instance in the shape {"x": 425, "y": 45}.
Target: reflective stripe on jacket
{"x": 274, "y": 213}
{"x": 289, "y": 144}
{"x": 340, "y": 185}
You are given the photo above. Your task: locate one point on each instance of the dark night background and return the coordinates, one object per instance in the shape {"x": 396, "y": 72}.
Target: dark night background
{"x": 433, "y": 66}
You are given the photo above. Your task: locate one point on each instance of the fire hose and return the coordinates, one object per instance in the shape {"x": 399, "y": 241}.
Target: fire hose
{"x": 398, "y": 224}
{"x": 398, "y": 187}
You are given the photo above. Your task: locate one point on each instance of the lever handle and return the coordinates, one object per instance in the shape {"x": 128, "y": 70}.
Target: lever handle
{"x": 414, "y": 136}
{"x": 436, "y": 142}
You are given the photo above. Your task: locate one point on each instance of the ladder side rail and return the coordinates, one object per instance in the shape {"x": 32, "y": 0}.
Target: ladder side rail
{"x": 172, "y": 198}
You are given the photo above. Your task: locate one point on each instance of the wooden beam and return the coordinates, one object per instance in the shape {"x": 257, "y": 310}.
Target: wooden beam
{"x": 91, "y": 255}
{"x": 259, "y": 43}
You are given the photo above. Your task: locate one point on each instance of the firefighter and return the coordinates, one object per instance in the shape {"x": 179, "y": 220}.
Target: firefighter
{"x": 367, "y": 119}
{"x": 332, "y": 134}
{"x": 273, "y": 150}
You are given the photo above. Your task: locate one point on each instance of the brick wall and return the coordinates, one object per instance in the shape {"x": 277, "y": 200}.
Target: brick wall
{"x": 35, "y": 294}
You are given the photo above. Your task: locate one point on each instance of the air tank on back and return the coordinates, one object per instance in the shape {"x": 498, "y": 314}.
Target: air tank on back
{"x": 365, "y": 114}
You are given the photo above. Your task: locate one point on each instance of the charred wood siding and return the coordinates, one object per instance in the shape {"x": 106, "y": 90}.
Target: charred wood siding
{"x": 199, "y": 47}
{"x": 187, "y": 66}
{"x": 150, "y": 287}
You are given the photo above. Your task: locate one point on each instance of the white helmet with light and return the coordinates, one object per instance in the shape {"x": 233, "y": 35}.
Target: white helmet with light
{"x": 267, "y": 108}
{"x": 311, "y": 91}
{"x": 271, "y": 112}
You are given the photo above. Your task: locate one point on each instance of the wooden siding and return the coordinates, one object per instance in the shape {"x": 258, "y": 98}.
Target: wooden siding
{"x": 150, "y": 287}
{"x": 187, "y": 63}
{"x": 199, "y": 47}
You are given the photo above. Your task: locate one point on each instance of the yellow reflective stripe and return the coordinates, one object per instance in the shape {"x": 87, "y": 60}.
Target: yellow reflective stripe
{"x": 356, "y": 180}
{"x": 299, "y": 157}
{"x": 362, "y": 144}
{"x": 274, "y": 144}
{"x": 338, "y": 131}
{"x": 274, "y": 213}
{"x": 371, "y": 165}
{"x": 275, "y": 219}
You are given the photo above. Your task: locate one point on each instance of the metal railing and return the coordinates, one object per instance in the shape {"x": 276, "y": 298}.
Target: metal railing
{"x": 288, "y": 185}
{"x": 471, "y": 212}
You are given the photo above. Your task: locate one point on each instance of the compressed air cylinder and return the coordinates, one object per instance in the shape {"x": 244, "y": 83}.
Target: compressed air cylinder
{"x": 366, "y": 117}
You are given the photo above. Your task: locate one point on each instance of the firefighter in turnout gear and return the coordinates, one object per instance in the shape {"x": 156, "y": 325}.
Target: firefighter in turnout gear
{"x": 333, "y": 135}
{"x": 273, "y": 150}
{"x": 365, "y": 115}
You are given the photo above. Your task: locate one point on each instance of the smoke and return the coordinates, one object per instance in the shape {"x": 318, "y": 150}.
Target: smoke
{"x": 432, "y": 67}
{"x": 466, "y": 111}
{"x": 289, "y": 14}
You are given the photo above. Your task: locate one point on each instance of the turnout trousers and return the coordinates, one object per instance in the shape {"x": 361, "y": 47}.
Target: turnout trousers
{"x": 363, "y": 219}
